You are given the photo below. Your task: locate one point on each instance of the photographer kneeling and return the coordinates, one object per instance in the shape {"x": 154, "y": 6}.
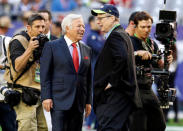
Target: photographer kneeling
{"x": 150, "y": 117}
{"x": 23, "y": 75}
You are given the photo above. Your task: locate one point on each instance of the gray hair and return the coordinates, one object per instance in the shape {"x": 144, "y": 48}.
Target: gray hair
{"x": 67, "y": 21}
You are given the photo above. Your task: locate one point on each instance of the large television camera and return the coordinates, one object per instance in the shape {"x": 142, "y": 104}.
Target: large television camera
{"x": 166, "y": 34}
{"x": 166, "y": 30}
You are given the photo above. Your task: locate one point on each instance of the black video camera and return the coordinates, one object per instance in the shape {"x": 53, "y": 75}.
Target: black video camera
{"x": 42, "y": 40}
{"x": 166, "y": 34}
{"x": 166, "y": 95}
{"x": 12, "y": 97}
{"x": 166, "y": 30}
{"x": 141, "y": 68}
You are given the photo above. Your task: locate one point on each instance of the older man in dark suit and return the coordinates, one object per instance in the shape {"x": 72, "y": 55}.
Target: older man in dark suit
{"x": 115, "y": 86}
{"x": 66, "y": 76}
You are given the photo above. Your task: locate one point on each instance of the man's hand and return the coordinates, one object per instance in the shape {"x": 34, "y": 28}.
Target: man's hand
{"x": 48, "y": 104}
{"x": 108, "y": 86}
{"x": 21, "y": 61}
{"x": 1, "y": 66}
{"x": 33, "y": 44}
{"x": 87, "y": 110}
{"x": 161, "y": 62}
{"x": 170, "y": 59}
{"x": 146, "y": 55}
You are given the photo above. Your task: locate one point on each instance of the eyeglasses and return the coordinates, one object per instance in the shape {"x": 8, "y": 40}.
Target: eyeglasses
{"x": 100, "y": 18}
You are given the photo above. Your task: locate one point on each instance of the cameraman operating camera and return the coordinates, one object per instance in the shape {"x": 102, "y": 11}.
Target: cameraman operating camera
{"x": 23, "y": 75}
{"x": 150, "y": 117}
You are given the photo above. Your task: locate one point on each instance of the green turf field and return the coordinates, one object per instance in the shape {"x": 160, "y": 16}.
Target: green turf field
{"x": 172, "y": 123}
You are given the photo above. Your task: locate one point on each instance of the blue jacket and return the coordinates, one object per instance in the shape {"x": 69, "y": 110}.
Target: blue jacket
{"x": 59, "y": 80}
{"x": 96, "y": 42}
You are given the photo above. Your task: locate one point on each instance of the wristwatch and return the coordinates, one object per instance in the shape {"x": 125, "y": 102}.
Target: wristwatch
{"x": 135, "y": 53}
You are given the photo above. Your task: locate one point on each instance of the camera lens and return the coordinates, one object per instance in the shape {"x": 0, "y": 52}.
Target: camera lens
{"x": 163, "y": 29}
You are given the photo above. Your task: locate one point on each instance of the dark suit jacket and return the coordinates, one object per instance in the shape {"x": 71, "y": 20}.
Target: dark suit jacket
{"x": 59, "y": 80}
{"x": 115, "y": 65}
{"x": 52, "y": 37}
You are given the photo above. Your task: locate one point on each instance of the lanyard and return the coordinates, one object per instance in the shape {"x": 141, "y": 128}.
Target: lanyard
{"x": 147, "y": 44}
{"x": 115, "y": 27}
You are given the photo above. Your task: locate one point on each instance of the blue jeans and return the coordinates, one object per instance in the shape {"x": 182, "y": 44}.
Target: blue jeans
{"x": 8, "y": 117}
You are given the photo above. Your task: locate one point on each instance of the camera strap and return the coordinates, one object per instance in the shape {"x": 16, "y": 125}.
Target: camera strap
{"x": 148, "y": 44}
{"x": 26, "y": 69}
{"x": 147, "y": 47}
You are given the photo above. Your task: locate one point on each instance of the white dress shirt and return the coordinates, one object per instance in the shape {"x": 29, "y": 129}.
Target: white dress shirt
{"x": 69, "y": 44}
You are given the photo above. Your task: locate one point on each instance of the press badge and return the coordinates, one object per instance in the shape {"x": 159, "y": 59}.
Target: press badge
{"x": 37, "y": 75}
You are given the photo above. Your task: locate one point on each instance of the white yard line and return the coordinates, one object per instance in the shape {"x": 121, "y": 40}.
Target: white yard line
{"x": 173, "y": 128}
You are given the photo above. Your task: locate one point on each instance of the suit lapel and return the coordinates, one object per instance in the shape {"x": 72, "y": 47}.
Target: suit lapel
{"x": 82, "y": 54}
{"x": 67, "y": 54}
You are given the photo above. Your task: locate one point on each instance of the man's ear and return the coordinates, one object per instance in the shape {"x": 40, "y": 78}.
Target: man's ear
{"x": 132, "y": 23}
{"x": 28, "y": 27}
{"x": 114, "y": 18}
{"x": 67, "y": 28}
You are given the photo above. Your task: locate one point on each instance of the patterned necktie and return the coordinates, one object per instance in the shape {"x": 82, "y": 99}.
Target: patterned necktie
{"x": 75, "y": 57}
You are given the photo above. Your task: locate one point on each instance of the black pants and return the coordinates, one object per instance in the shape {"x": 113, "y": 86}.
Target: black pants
{"x": 150, "y": 117}
{"x": 69, "y": 120}
{"x": 7, "y": 117}
{"x": 113, "y": 111}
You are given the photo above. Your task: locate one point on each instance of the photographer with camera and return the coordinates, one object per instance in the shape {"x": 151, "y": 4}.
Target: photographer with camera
{"x": 23, "y": 75}
{"x": 150, "y": 117}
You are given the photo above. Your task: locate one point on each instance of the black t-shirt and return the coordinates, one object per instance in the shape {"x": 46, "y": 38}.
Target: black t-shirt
{"x": 16, "y": 48}
{"x": 150, "y": 46}
{"x": 144, "y": 78}
{"x": 137, "y": 44}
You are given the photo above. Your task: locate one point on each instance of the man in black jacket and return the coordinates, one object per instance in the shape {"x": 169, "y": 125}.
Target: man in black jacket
{"x": 115, "y": 86}
{"x": 150, "y": 117}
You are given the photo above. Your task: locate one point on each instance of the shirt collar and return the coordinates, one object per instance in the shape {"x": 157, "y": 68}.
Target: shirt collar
{"x": 69, "y": 41}
{"x": 146, "y": 40}
{"x": 108, "y": 33}
{"x": 48, "y": 35}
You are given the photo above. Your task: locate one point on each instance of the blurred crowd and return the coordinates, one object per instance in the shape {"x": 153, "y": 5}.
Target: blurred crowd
{"x": 16, "y": 7}
{"x": 19, "y": 10}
